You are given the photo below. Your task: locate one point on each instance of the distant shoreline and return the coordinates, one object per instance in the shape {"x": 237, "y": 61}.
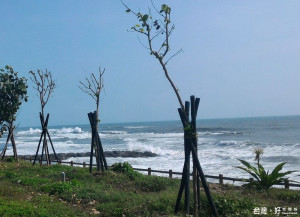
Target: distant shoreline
{"x": 123, "y": 154}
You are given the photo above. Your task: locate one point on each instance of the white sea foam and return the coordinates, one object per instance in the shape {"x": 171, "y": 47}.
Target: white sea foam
{"x": 31, "y": 131}
{"x": 66, "y": 130}
{"x": 135, "y": 145}
{"x": 113, "y": 132}
{"x": 136, "y": 127}
{"x": 218, "y": 148}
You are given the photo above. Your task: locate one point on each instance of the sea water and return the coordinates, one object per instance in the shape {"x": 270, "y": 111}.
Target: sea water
{"x": 220, "y": 143}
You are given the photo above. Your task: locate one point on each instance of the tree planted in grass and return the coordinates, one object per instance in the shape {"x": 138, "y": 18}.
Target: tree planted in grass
{"x": 157, "y": 34}
{"x": 264, "y": 179}
{"x": 13, "y": 91}
{"x": 93, "y": 85}
{"x": 44, "y": 84}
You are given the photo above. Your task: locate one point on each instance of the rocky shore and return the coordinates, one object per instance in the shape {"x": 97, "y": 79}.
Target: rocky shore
{"x": 124, "y": 154}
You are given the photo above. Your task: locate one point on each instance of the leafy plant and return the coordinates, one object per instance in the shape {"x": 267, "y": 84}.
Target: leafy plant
{"x": 125, "y": 168}
{"x": 157, "y": 34}
{"x": 153, "y": 183}
{"x": 13, "y": 91}
{"x": 57, "y": 188}
{"x": 264, "y": 179}
{"x": 10, "y": 159}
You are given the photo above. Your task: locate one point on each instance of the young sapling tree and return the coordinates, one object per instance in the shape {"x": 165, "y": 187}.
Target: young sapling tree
{"x": 157, "y": 33}
{"x": 44, "y": 84}
{"x": 93, "y": 86}
{"x": 13, "y": 91}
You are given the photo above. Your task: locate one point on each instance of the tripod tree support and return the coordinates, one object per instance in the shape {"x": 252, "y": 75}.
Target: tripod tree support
{"x": 44, "y": 84}
{"x": 190, "y": 146}
{"x": 11, "y": 138}
{"x": 96, "y": 144}
{"x": 43, "y": 141}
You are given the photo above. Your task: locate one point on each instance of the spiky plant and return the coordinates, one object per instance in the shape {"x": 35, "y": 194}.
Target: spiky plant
{"x": 264, "y": 179}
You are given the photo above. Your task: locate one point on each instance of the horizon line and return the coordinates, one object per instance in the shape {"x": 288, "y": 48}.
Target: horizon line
{"x": 136, "y": 122}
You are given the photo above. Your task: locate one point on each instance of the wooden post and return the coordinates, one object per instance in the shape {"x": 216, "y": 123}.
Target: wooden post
{"x": 30, "y": 159}
{"x": 220, "y": 179}
{"x": 59, "y": 162}
{"x": 96, "y": 145}
{"x": 170, "y": 174}
{"x": 83, "y": 164}
{"x": 187, "y": 178}
{"x": 71, "y": 163}
{"x": 149, "y": 171}
{"x": 286, "y": 184}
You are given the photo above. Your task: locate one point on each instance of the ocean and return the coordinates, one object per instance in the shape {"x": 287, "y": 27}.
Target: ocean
{"x": 220, "y": 143}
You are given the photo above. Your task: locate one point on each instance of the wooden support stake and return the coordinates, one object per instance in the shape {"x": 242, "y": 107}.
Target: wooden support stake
{"x": 170, "y": 174}
{"x": 149, "y": 171}
{"x": 220, "y": 179}
{"x": 286, "y": 184}
{"x": 14, "y": 147}
{"x": 204, "y": 183}
{"x": 43, "y": 140}
{"x": 187, "y": 109}
{"x": 83, "y": 164}
{"x": 180, "y": 189}
{"x": 71, "y": 163}
{"x": 187, "y": 178}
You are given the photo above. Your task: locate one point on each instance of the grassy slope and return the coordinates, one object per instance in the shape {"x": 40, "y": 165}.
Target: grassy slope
{"x": 27, "y": 190}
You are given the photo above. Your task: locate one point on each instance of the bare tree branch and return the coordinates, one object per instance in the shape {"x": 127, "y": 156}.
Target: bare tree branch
{"x": 44, "y": 84}
{"x": 93, "y": 87}
{"x": 142, "y": 43}
{"x": 178, "y": 52}
{"x": 162, "y": 27}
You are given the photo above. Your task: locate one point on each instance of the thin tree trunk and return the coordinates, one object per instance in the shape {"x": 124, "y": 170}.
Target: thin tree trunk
{"x": 14, "y": 147}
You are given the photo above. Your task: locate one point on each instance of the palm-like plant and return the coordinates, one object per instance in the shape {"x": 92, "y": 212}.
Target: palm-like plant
{"x": 264, "y": 179}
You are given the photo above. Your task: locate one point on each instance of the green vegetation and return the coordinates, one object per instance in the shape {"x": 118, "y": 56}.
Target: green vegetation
{"x": 27, "y": 190}
{"x": 13, "y": 93}
{"x": 264, "y": 179}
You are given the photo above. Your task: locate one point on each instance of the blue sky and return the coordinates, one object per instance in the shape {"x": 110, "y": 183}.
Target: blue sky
{"x": 240, "y": 57}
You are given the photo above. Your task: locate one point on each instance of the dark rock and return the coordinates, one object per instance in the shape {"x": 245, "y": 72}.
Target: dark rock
{"x": 125, "y": 154}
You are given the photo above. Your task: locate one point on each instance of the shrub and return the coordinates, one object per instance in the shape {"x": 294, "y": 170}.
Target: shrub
{"x": 57, "y": 188}
{"x": 125, "y": 168}
{"x": 10, "y": 159}
{"x": 152, "y": 183}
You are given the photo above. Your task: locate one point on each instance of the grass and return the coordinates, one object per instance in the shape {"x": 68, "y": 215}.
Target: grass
{"x": 27, "y": 190}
